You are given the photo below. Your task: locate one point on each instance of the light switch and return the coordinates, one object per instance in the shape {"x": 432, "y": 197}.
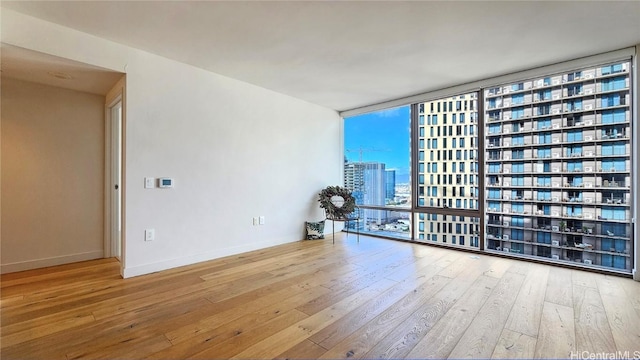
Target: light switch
{"x": 149, "y": 183}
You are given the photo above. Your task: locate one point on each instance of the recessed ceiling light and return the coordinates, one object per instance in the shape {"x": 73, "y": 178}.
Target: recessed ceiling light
{"x": 60, "y": 75}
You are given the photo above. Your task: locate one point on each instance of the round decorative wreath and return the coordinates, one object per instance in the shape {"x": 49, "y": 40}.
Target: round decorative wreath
{"x": 325, "y": 198}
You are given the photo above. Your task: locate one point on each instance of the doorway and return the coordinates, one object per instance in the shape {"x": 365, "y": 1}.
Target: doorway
{"x": 115, "y": 120}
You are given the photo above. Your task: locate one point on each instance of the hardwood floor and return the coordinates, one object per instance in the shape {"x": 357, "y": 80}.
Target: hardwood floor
{"x": 373, "y": 299}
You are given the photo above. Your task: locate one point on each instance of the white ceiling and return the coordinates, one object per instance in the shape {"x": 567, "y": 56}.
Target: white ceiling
{"x": 343, "y": 54}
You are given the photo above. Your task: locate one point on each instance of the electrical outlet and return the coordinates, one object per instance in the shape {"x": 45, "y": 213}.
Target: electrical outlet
{"x": 261, "y": 220}
{"x": 149, "y": 234}
{"x": 255, "y": 220}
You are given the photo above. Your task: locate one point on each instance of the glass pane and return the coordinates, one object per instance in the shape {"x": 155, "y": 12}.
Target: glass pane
{"x": 377, "y": 158}
{"x": 558, "y": 167}
{"x": 448, "y": 173}
{"x": 447, "y": 229}
{"x": 388, "y": 223}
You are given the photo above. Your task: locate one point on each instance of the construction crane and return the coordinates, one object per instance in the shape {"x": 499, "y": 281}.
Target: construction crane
{"x": 362, "y": 150}
{"x": 358, "y": 180}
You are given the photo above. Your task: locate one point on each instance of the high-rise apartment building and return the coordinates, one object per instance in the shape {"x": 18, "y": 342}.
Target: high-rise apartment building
{"x": 448, "y": 168}
{"x": 367, "y": 181}
{"x": 558, "y": 167}
{"x": 390, "y": 184}
{"x": 558, "y": 174}
{"x": 354, "y": 180}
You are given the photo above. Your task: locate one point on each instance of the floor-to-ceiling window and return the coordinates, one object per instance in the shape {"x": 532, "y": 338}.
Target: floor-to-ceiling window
{"x": 566, "y": 196}
{"x": 446, "y": 187}
{"x": 538, "y": 168}
{"x": 377, "y": 170}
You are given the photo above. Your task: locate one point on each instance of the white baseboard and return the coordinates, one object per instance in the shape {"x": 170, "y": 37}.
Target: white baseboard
{"x": 52, "y": 261}
{"x": 139, "y": 270}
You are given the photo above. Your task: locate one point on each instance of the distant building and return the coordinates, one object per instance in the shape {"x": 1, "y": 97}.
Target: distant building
{"x": 367, "y": 181}
{"x": 390, "y": 184}
{"x": 354, "y": 180}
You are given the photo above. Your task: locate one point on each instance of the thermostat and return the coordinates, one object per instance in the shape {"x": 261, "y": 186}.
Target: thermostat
{"x": 165, "y": 182}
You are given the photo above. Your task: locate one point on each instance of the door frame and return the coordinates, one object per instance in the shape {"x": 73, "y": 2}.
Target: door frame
{"x": 116, "y": 94}
{"x": 114, "y": 142}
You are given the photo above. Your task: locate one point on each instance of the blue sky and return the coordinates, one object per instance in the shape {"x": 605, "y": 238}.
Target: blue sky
{"x": 383, "y": 136}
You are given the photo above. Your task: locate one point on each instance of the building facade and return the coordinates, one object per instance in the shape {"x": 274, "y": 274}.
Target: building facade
{"x": 390, "y": 185}
{"x": 558, "y": 174}
{"x": 448, "y": 169}
{"x": 354, "y": 180}
{"x": 368, "y": 183}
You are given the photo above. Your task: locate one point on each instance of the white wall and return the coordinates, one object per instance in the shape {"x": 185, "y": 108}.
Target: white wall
{"x": 52, "y": 175}
{"x": 235, "y": 151}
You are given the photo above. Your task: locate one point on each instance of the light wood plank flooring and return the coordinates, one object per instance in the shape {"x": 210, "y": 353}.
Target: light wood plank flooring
{"x": 373, "y": 299}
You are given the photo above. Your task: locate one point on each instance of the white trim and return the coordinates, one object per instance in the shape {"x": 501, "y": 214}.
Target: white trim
{"x": 115, "y": 240}
{"x": 128, "y": 272}
{"x": 51, "y": 261}
{"x": 115, "y": 95}
{"x": 108, "y": 182}
{"x": 495, "y": 81}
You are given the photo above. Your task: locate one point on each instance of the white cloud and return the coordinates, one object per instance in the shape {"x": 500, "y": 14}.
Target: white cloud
{"x": 387, "y": 113}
